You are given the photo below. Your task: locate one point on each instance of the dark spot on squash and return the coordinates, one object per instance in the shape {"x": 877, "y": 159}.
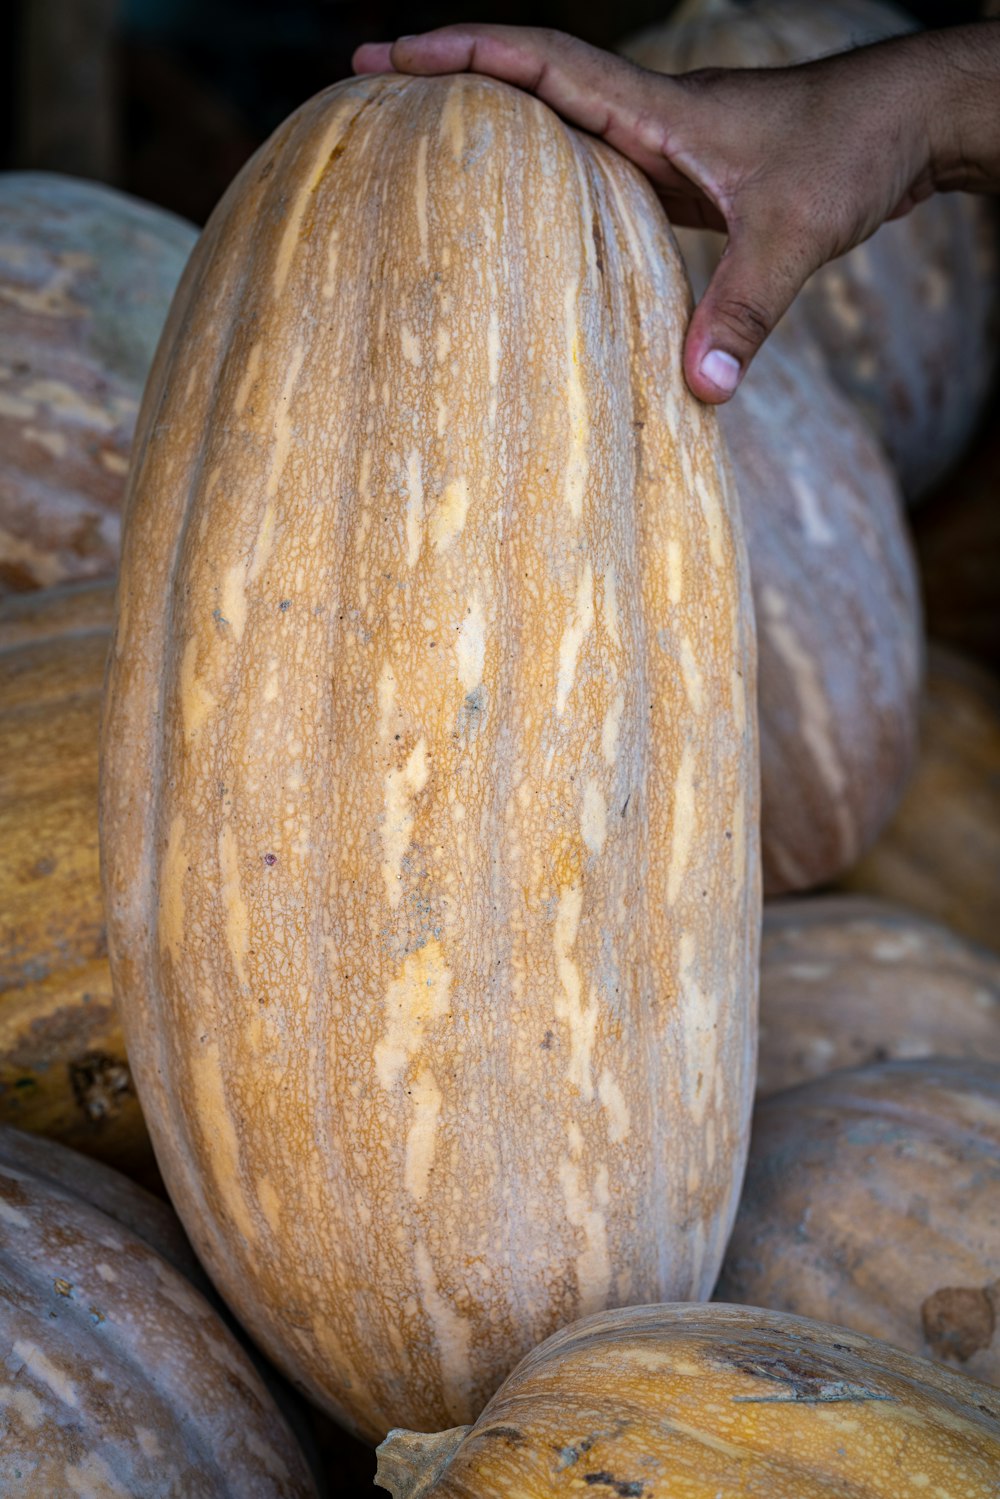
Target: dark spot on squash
{"x": 503, "y": 1433}
{"x": 959, "y": 1321}
{"x": 625, "y": 1488}
{"x": 804, "y": 1378}
{"x": 270, "y": 860}
{"x": 14, "y": 578}
{"x": 598, "y": 233}
{"x": 546, "y": 1041}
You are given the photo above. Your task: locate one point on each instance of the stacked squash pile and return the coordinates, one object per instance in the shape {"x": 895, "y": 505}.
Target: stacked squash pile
{"x": 463, "y": 674}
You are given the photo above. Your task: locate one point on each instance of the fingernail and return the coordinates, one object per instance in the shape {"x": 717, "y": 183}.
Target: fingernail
{"x": 408, "y": 38}
{"x": 722, "y": 370}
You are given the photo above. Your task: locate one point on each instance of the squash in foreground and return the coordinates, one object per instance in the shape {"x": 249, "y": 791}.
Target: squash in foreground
{"x": 116, "y": 1376}
{"x": 430, "y": 785}
{"x": 700, "y": 1402}
{"x": 872, "y": 1199}
{"x": 86, "y": 278}
{"x": 63, "y": 1069}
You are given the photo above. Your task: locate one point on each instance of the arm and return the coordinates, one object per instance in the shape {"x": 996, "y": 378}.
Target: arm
{"x": 797, "y": 165}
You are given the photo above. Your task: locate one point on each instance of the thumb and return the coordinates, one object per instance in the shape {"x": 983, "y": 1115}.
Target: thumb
{"x": 754, "y": 284}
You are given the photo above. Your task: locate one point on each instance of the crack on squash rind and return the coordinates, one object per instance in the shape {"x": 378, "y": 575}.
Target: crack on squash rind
{"x": 808, "y": 1380}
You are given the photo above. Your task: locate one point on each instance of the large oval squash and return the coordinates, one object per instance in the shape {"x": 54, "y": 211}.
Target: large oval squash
{"x": 116, "y": 1376}
{"x": 845, "y": 981}
{"x": 872, "y": 1200}
{"x": 429, "y": 786}
{"x": 86, "y": 278}
{"x": 63, "y": 1070}
{"x": 711, "y": 1402}
{"x": 904, "y": 319}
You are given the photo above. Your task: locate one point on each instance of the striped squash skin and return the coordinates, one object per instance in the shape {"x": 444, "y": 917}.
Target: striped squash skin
{"x": 430, "y": 785}
{"x": 117, "y": 1377}
{"x": 86, "y": 278}
{"x": 63, "y": 1069}
{"x": 905, "y": 320}
{"x": 838, "y": 616}
{"x": 872, "y": 1201}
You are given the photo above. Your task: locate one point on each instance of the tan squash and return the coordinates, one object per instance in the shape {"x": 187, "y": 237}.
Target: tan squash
{"x": 905, "y": 320}
{"x": 872, "y": 1200}
{"x": 940, "y": 854}
{"x": 86, "y": 278}
{"x": 838, "y": 616}
{"x": 117, "y": 1376}
{"x": 63, "y": 1070}
{"x": 845, "y": 981}
{"x": 429, "y": 783}
{"x": 711, "y": 1402}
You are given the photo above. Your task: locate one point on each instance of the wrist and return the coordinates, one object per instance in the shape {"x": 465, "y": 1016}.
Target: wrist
{"x": 961, "y": 82}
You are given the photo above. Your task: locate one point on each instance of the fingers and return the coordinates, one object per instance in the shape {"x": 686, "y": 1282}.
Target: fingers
{"x": 753, "y": 286}
{"x": 655, "y": 121}
{"x": 594, "y": 90}
{"x": 373, "y": 57}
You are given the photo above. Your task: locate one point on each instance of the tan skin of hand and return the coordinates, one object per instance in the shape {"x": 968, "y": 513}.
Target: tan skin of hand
{"x": 796, "y": 165}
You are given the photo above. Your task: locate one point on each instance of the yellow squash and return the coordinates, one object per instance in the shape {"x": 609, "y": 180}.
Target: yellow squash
{"x": 430, "y": 785}
{"x": 711, "y": 1402}
{"x": 63, "y": 1070}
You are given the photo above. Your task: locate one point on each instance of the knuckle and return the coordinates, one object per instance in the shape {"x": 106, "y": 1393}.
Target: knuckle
{"x": 745, "y": 318}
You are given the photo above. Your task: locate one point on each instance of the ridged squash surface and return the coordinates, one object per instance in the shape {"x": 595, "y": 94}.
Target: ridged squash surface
{"x": 845, "y": 980}
{"x": 63, "y": 1069}
{"x": 430, "y": 784}
{"x": 872, "y": 1200}
{"x": 711, "y": 1402}
{"x": 86, "y": 278}
{"x": 116, "y": 1375}
{"x": 838, "y": 615}
{"x": 905, "y": 320}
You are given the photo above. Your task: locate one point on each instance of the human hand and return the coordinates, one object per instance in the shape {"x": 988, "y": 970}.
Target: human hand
{"x": 797, "y": 165}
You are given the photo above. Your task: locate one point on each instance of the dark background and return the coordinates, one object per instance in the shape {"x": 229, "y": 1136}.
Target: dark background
{"x": 167, "y": 98}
